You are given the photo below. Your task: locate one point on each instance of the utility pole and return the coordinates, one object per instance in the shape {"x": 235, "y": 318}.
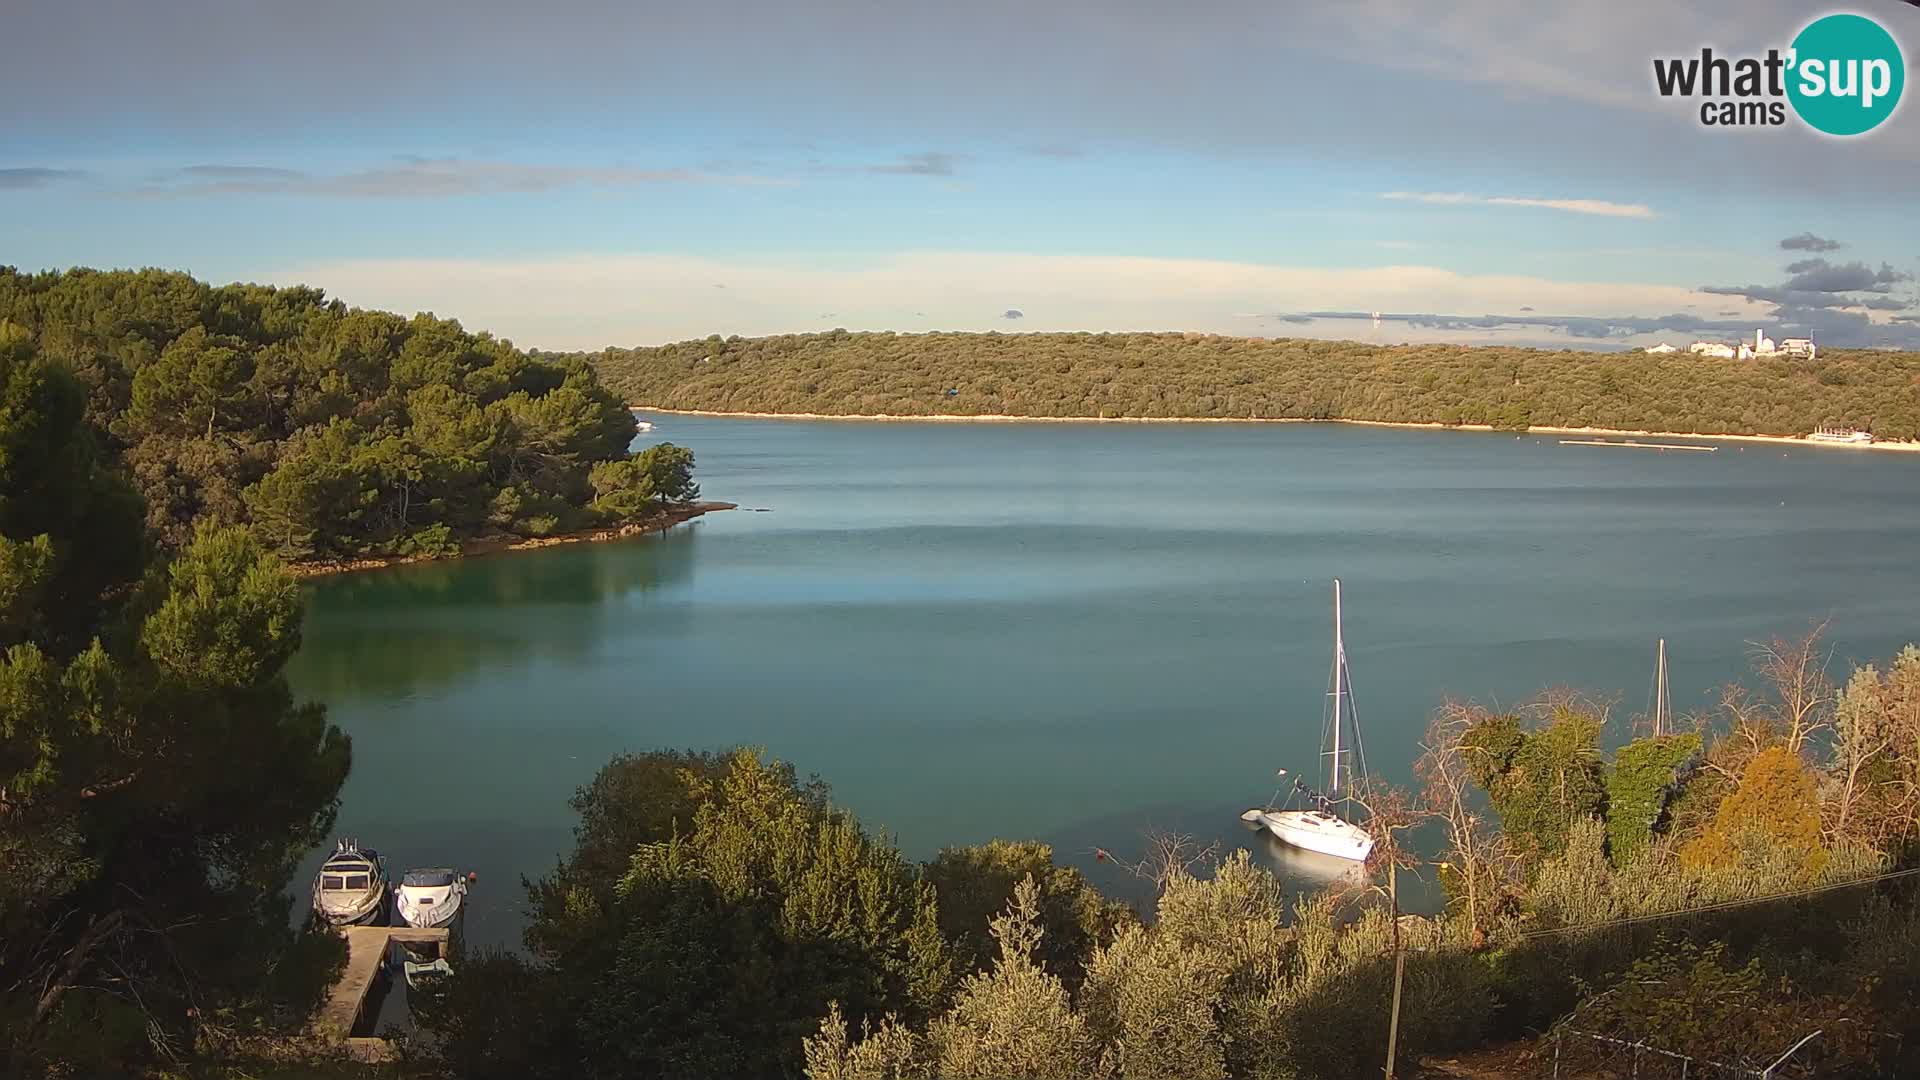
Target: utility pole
{"x": 1399, "y": 964}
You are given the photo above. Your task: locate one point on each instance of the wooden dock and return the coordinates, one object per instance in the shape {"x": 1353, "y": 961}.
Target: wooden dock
{"x": 367, "y": 948}
{"x": 1641, "y": 445}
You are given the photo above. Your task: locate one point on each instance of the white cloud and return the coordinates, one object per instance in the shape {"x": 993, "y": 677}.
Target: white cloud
{"x": 1595, "y": 53}
{"x": 590, "y": 301}
{"x": 1597, "y": 207}
{"x": 425, "y": 178}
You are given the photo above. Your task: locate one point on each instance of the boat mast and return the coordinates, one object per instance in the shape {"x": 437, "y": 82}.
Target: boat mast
{"x": 1339, "y": 678}
{"x": 1660, "y": 692}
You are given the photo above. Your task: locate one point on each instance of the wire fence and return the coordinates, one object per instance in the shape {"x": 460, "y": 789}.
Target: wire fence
{"x": 1594, "y": 1054}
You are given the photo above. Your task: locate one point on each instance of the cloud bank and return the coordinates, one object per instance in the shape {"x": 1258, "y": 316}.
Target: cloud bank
{"x": 412, "y": 178}
{"x": 593, "y": 300}
{"x": 1841, "y": 302}
{"x": 930, "y": 163}
{"x": 1806, "y": 241}
{"x": 27, "y": 179}
{"x": 1596, "y": 207}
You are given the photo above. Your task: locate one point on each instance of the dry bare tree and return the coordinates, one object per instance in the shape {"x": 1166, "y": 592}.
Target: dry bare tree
{"x": 1796, "y": 670}
{"x": 1167, "y": 856}
{"x": 1479, "y": 855}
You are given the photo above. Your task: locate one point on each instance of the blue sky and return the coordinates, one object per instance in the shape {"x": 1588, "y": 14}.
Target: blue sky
{"x": 580, "y": 174}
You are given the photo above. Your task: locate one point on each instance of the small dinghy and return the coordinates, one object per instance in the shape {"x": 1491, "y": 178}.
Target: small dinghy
{"x": 430, "y": 898}
{"x": 424, "y": 970}
{"x": 426, "y": 977}
{"x": 351, "y": 887}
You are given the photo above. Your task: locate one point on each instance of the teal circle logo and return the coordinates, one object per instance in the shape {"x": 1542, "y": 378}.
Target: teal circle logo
{"x": 1846, "y": 74}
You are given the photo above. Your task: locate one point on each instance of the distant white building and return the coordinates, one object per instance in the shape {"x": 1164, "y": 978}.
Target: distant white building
{"x": 1712, "y": 348}
{"x": 1799, "y": 346}
{"x": 1746, "y": 351}
{"x": 1762, "y": 344}
{"x": 1663, "y": 347}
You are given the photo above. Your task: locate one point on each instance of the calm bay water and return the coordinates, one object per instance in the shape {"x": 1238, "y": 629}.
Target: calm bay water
{"x": 1077, "y": 632}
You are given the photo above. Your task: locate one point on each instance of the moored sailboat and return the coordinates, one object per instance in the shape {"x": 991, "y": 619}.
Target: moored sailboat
{"x": 1323, "y": 828}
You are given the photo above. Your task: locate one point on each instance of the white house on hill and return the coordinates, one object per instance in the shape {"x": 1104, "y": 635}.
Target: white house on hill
{"x": 1663, "y": 347}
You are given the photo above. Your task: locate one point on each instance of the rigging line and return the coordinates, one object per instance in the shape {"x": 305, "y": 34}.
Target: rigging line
{"x": 1359, "y": 744}
{"x": 1329, "y": 716}
{"x": 1721, "y": 906}
{"x": 1653, "y": 696}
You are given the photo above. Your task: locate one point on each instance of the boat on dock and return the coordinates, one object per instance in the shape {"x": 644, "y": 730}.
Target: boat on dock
{"x": 1323, "y": 828}
{"x": 351, "y": 887}
{"x": 430, "y": 898}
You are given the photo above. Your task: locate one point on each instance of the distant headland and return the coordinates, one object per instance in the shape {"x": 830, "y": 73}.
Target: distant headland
{"x": 1166, "y": 377}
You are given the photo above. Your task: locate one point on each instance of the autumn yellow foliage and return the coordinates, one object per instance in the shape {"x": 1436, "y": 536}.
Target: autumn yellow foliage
{"x": 1774, "y": 814}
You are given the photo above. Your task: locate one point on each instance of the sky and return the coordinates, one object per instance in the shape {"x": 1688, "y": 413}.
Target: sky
{"x": 591, "y": 173}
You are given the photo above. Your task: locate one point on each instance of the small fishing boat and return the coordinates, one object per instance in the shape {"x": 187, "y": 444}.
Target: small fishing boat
{"x": 1322, "y": 828}
{"x": 351, "y": 887}
{"x": 423, "y": 970}
{"x": 430, "y": 898}
{"x": 426, "y": 976}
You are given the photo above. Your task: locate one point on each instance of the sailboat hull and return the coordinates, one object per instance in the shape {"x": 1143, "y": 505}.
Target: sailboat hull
{"x": 1311, "y": 830}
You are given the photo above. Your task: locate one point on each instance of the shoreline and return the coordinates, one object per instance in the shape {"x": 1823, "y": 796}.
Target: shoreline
{"x": 495, "y": 545}
{"x": 1536, "y": 429}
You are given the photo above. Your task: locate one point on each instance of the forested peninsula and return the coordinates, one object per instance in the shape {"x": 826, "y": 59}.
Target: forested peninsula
{"x": 338, "y": 436}
{"x": 1206, "y": 376}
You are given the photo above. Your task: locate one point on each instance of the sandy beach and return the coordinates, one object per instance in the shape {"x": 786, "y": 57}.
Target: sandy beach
{"x": 1002, "y": 418}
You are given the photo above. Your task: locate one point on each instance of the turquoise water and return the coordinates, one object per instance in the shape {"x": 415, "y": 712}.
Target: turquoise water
{"x": 1078, "y": 632}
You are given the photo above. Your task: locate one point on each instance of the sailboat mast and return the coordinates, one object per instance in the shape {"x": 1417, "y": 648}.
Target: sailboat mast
{"x": 1660, "y": 692}
{"x": 1339, "y": 686}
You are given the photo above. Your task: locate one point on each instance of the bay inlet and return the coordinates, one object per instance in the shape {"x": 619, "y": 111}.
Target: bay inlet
{"x": 1075, "y": 633}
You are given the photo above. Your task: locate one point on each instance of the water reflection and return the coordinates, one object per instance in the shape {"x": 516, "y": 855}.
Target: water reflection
{"x": 400, "y": 632}
{"x": 1304, "y": 871}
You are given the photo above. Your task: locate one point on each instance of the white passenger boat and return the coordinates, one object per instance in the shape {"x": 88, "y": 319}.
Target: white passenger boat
{"x": 1323, "y": 827}
{"x": 430, "y": 898}
{"x": 1845, "y": 435}
{"x": 351, "y": 887}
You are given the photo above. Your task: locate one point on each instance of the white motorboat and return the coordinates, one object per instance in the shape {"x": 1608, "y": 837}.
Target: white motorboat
{"x": 430, "y": 898}
{"x": 351, "y": 887}
{"x": 1323, "y": 828}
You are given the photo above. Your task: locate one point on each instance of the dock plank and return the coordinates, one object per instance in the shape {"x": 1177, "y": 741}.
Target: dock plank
{"x": 366, "y": 952}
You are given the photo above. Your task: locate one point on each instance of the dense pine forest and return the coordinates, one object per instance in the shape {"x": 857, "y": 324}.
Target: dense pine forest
{"x": 331, "y": 431}
{"x": 1204, "y": 375}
